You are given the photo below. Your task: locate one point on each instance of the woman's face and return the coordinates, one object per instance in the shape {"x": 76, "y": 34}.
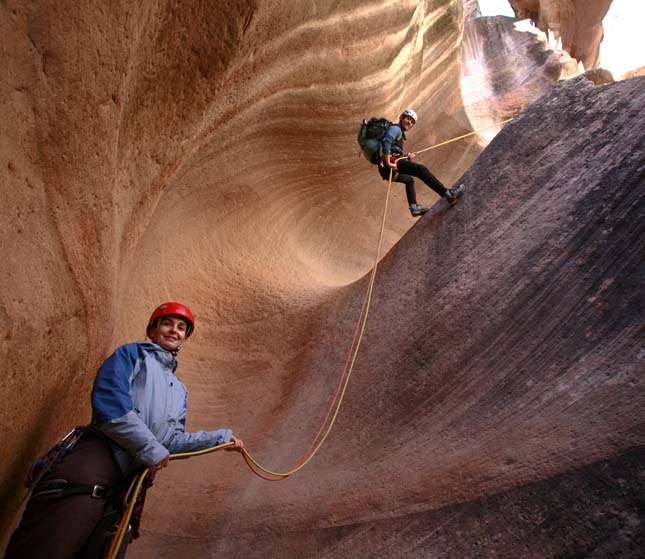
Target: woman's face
{"x": 170, "y": 333}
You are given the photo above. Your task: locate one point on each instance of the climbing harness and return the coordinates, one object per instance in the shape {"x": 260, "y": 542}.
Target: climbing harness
{"x": 52, "y": 458}
{"x": 59, "y": 488}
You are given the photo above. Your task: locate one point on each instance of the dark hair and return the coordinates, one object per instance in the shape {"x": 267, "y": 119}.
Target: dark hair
{"x": 155, "y": 323}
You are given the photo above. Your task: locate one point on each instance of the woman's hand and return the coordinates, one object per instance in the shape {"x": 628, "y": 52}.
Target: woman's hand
{"x": 238, "y": 444}
{"x": 161, "y": 464}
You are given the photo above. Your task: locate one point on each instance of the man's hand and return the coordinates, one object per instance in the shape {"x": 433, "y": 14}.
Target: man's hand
{"x": 411, "y": 155}
{"x": 388, "y": 161}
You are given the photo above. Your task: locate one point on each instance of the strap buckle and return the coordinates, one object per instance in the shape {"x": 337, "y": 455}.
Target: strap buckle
{"x": 61, "y": 488}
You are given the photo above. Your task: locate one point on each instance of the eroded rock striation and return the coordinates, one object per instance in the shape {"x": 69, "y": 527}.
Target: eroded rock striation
{"x": 499, "y": 390}
{"x": 504, "y": 70}
{"x": 157, "y": 151}
{"x": 577, "y": 23}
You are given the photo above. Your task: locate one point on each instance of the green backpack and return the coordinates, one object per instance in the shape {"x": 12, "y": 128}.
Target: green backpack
{"x": 369, "y": 137}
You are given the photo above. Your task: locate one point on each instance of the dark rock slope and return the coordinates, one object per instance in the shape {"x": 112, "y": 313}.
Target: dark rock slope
{"x": 496, "y": 409}
{"x": 508, "y": 399}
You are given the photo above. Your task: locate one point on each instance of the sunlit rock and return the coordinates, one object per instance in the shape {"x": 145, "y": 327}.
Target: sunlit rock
{"x": 577, "y": 25}
{"x": 504, "y": 70}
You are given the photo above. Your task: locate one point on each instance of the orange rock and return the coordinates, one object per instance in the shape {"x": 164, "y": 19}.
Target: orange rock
{"x": 153, "y": 152}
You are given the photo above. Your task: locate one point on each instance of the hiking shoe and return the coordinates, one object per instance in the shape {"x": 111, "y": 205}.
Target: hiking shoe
{"x": 417, "y": 210}
{"x": 453, "y": 194}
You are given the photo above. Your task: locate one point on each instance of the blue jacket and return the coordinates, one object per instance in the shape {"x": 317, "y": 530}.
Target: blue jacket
{"x": 392, "y": 140}
{"x": 139, "y": 403}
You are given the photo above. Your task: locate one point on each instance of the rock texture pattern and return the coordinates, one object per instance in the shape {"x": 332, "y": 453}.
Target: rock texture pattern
{"x": 157, "y": 151}
{"x": 505, "y": 70}
{"x": 153, "y": 151}
{"x": 577, "y": 23}
{"x": 500, "y": 390}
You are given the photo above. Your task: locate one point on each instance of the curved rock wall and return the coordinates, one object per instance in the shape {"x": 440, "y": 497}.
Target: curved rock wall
{"x": 498, "y": 392}
{"x": 164, "y": 151}
{"x": 160, "y": 151}
{"x": 505, "y": 70}
{"x": 578, "y": 23}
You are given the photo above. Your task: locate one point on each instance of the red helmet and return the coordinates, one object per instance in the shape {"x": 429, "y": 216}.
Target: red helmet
{"x": 175, "y": 309}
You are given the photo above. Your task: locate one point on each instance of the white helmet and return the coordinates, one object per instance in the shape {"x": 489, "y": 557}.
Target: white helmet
{"x": 411, "y": 113}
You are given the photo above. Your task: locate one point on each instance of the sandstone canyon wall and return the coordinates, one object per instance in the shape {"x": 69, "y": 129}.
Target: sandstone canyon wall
{"x": 152, "y": 151}
{"x": 503, "y": 70}
{"x": 164, "y": 151}
{"x": 576, "y": 23}
{"x": 496, "y": 409}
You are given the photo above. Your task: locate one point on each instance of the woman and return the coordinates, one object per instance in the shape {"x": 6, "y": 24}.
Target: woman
{"x": 138, "y": 419}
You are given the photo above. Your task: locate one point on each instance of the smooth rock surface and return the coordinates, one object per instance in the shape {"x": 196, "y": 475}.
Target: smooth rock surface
{"x": 505, "y": 70}
{"x": 501, "y": 371}
{"x": 577, "y": 23}
{"x": 154, "y": 152}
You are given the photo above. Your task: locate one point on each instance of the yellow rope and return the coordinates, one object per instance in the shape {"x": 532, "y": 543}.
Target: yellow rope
{"x": 370, "y": 289}
{"x": 117, "y": 541}
{"x": 369, "y": 298}
{"x": 183, "y": 455}
{"x": 466, "y": 135}
{"x": 118, "y": 537}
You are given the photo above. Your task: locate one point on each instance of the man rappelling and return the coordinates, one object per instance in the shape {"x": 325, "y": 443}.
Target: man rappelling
{"x": 385, "y": 149}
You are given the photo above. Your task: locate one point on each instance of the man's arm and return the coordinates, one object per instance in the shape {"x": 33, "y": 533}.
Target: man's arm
{"x": 392, "y": 134}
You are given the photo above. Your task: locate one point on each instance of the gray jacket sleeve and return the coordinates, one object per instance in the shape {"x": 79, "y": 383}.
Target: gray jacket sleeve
{"x": 199, "y": 440}
{"x": 129, "y": 432}
{"x": 392, "y": 135}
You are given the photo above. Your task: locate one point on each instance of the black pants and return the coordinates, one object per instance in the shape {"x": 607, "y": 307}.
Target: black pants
{"x": 407, "y": 169}
{"x": 64, "y": 527}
